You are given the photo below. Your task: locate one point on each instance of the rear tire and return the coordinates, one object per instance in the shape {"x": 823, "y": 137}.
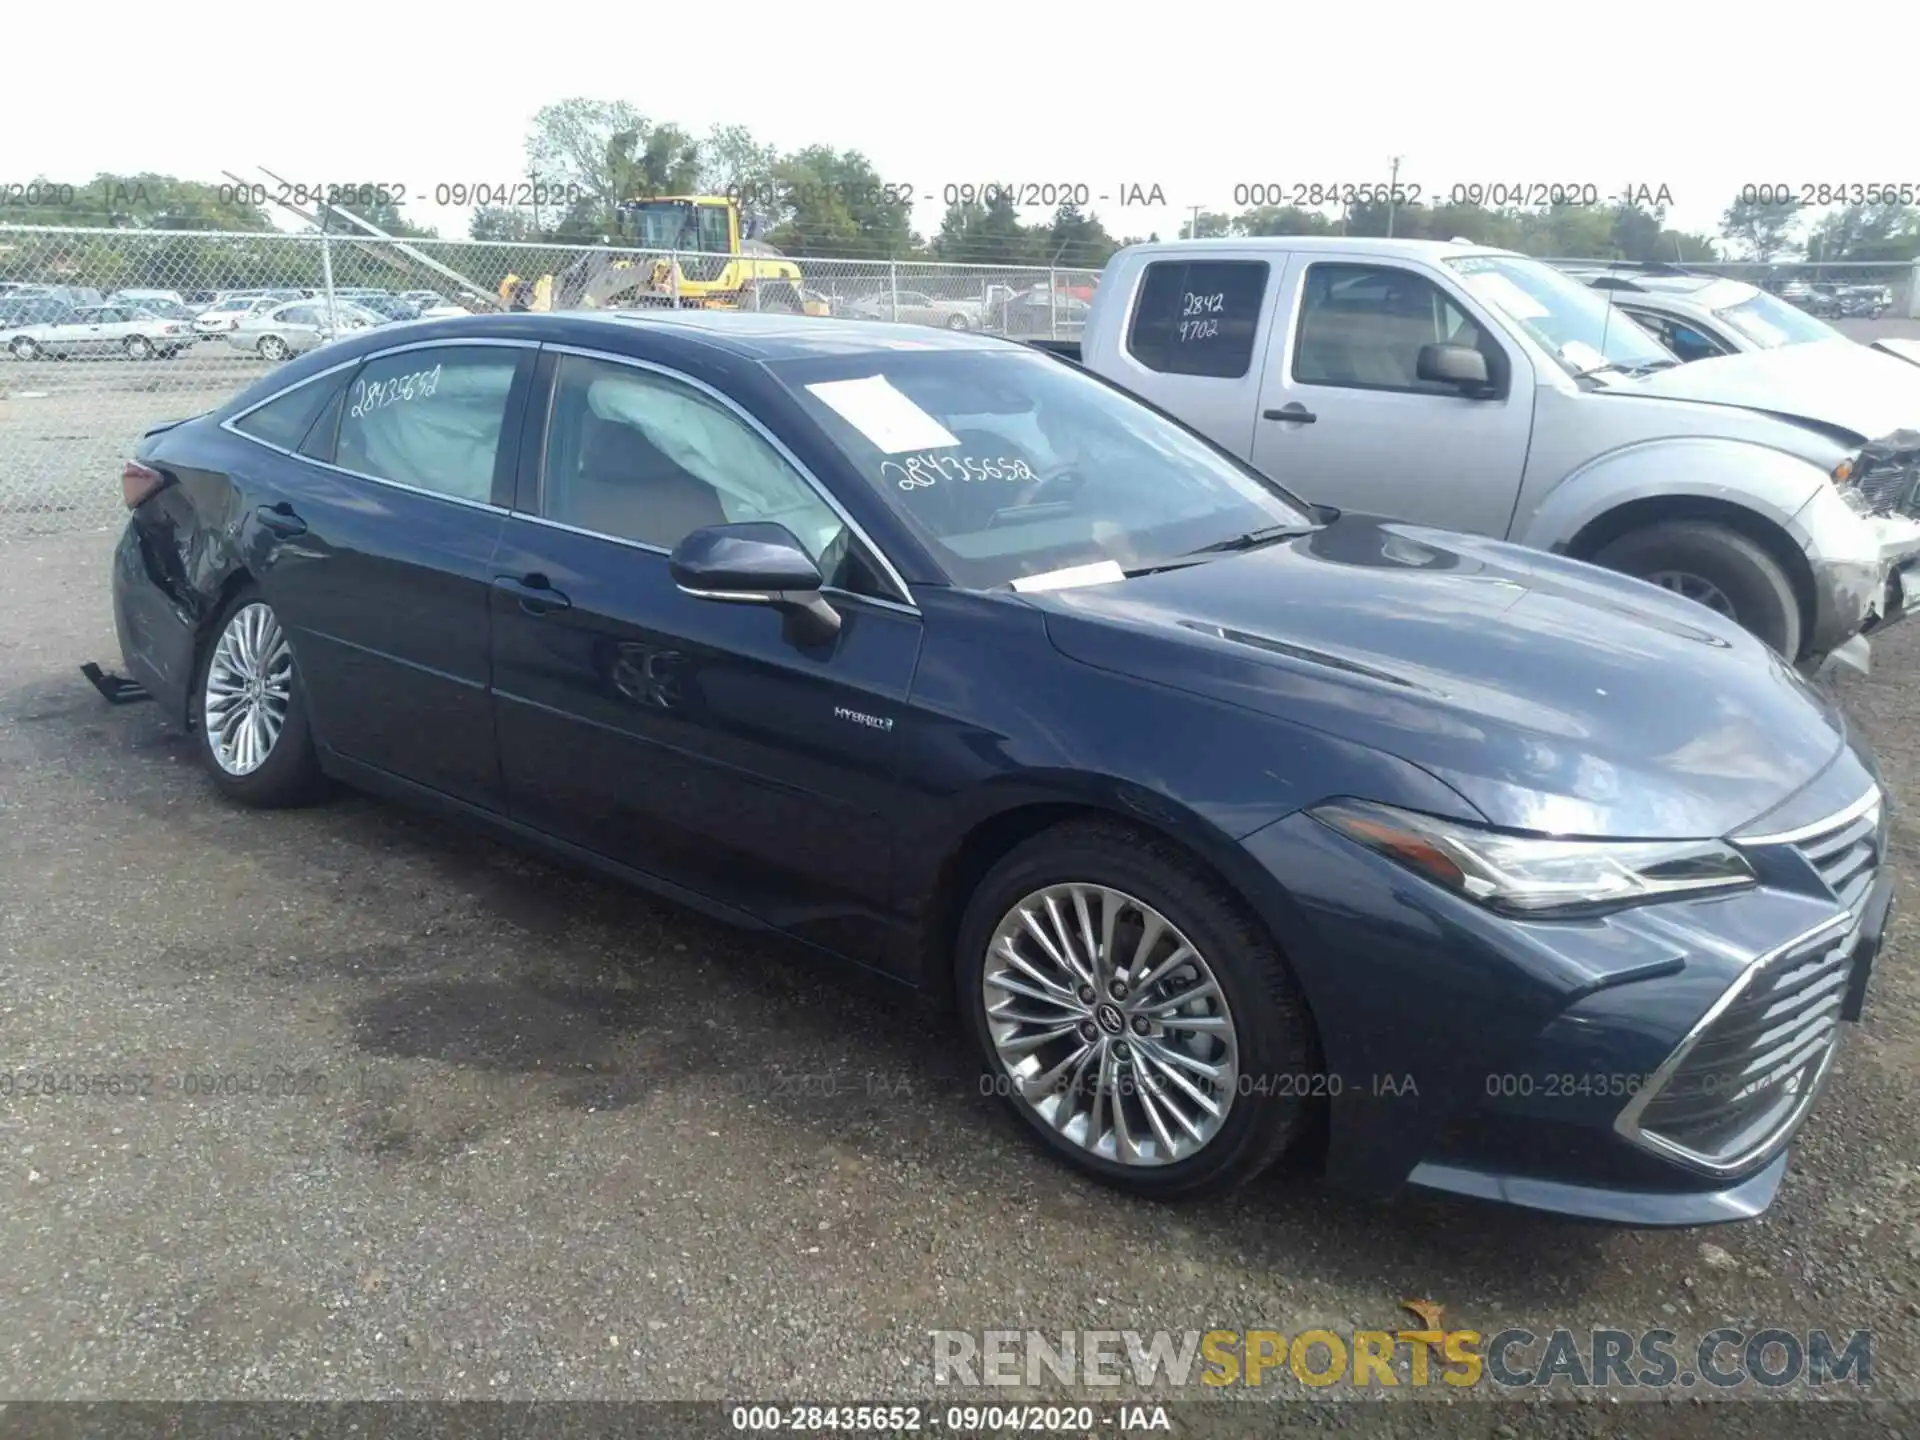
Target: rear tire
{"x": 1252, "y": 1027}
{"x": 24, "y": 349}
{"x": 1721, "y": 568}
{"x": 272, "y": 347}
{"x": 138, "y": 347}
{"x": 247, "y": 670}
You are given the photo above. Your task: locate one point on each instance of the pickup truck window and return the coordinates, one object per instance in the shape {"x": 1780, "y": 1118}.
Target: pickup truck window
{"x": 1198, "y": 317}
{"x": 1018, "y": 465}
{"x": 1362, "y": 326}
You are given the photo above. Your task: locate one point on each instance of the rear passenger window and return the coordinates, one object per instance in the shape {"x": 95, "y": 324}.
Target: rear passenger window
{"x": 431, "y": 419}
{"x": 1198, "y": 317}
{"x": 285, "y": 420}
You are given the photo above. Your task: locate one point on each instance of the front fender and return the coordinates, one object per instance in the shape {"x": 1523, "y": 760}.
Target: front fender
{"x": 1772, "y": 484}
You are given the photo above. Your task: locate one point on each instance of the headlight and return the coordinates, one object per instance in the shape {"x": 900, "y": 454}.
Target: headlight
{"x": 1843, "y": 472}
{"x": 1526, "y": 875}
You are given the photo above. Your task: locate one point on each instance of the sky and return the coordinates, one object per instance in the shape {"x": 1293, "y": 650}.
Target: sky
{"x": 1199, "y": 101}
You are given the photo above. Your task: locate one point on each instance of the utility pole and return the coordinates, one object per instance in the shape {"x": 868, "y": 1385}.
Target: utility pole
{"x": 1193, "y": 230}
{"x": 534, "y": 195}
{"x": 1393, "y": 194}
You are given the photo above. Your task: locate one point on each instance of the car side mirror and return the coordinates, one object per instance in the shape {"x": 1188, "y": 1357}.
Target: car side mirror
{"x": 756, "y": 563}
{"x": 1458, "y": 365}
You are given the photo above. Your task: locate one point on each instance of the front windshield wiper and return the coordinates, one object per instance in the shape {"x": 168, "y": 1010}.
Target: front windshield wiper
{"x": 1253, "y": 539}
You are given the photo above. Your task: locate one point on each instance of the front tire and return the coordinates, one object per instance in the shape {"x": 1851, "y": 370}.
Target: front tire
{"x": 24, "y": 349}
{"x": 1720, "y": 568}
{"x": 1133, "y": 1014}
{"x": 272, "y": 347}
{"x": 138, "y": 347}
{"x": 250, "y": 711}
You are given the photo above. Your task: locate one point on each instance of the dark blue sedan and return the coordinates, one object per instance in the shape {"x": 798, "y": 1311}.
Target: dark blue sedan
{"x": 1227, "y": 824}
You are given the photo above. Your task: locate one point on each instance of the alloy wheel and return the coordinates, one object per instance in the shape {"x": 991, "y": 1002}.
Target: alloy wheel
{"x": 274, "y": 348}
{"x": 249, "y": 687}
{"x": 1110, "y": 1025}
{"x": 1704, "y": 592}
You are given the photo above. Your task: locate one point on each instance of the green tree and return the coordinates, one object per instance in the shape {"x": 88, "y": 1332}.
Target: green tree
{"x": 833, "y": 202}
{"x": 1078, "y": 239}
{"x": 606, "y": 151}
{"x": 502, "y": 222}
{"x": 1207, "y": 225}
{"x": 733, "y": 162}
{"x": 1763, "y": 230}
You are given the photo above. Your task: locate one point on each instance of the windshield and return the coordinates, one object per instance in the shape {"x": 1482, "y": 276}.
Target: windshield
{"x": 1771, "y": 323}
{"x": 1009, "y": 464}
{"x": 1570, "y": 321}
{"x": 663, "y": 225}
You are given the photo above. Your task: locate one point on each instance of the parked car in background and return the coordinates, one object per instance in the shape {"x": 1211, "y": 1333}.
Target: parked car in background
{"x": 1041, "y": 312}
{"x": 165, "y": 309}
{"x": 97, "y": 330}
{"x": 916, "y": 307}
{"x": 19, "y": 312}
{"x": 423, "y": 300}
{"x": 297, "y": 326}
{"x": 145, "y": 298}
{"x": 388, "y": 307}
{"x": 225, "y": 313}
{"x": 1700, "y": 316}
{"x": 72, "y": 295}
{"x": 1484, "y": 391}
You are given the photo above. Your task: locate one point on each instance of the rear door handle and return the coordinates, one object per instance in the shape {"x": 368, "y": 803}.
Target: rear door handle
{"x": 280, "y": 520}
{"x": 534, "y": 592}
{"x": 1294, "y": 414}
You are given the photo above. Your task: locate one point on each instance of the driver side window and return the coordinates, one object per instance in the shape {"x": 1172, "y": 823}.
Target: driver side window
{"x": 1362, "y": 327}
{"x": 635, "y": 455}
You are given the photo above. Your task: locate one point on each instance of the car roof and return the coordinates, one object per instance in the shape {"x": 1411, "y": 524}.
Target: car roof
{"x": 757, "y": 336}
{"x": 1331, "y": 244}
{"x": 698, "y": 340}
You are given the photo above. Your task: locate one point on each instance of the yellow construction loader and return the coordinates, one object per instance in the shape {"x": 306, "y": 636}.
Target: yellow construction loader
{"x": 697, "y": 252}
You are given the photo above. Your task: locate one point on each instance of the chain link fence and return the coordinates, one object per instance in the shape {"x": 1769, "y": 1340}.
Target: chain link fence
{"x": 171, "y": 323}
{"x": 104, "y": 333}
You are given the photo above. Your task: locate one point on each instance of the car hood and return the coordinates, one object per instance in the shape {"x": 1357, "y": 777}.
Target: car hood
{"x": 1830, "y": 382}
{"x": 1907, "y": 350}
{"x": 1552, "y": 695}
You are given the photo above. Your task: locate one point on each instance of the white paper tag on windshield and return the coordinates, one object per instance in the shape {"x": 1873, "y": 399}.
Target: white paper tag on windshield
{"x": 1101, "y": 572}
{"x": 885, "y": 416}
{"x": 1583, "y": 356}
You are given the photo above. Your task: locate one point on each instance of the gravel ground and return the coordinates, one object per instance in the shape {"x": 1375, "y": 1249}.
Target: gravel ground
{"x": 552, "y": 1139}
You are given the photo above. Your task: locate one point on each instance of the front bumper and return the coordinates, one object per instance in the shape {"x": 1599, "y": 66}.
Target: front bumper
{"x": 1606, "y": 1069}
{"x": 1865, "y": 566}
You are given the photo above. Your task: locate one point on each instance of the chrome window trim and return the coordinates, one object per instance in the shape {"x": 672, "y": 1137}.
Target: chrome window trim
{"x": 903, "y": 597}
{"x": 1627, "y": 1123}
{"x": 1834, "y": 821}
{"x": 232, "y": 421}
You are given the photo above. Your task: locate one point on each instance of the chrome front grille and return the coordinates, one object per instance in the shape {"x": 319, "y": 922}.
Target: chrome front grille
{"x": 1847, "y": 853}
{"x": 1747, "y": 1074}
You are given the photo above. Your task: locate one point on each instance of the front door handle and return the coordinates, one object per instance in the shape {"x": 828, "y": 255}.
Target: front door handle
{"x": 1293, "y": 414}
{"x": 534, "y": 592}
{"x": 280, "y": 519}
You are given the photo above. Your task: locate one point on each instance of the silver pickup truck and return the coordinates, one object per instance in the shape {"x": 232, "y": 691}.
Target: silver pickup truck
{"x": 1480, "y": 390}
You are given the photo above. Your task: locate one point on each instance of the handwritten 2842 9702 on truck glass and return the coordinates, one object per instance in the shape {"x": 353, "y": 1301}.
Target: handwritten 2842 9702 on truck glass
{"x": 1225, "y": 823}
{"x": 1484, "y": 391}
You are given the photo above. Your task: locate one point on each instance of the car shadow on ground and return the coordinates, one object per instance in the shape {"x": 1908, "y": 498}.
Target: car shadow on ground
{"x": 617, "y": 1000}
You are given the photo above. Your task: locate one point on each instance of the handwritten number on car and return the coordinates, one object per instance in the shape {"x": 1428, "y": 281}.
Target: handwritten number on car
{"x": 917, "y": 472}
{"x": 1200, "y": 315}
{"x": 366, "y": 398}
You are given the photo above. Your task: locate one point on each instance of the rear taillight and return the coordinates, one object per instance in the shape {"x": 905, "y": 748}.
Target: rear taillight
{"x": 138, "y": 482}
